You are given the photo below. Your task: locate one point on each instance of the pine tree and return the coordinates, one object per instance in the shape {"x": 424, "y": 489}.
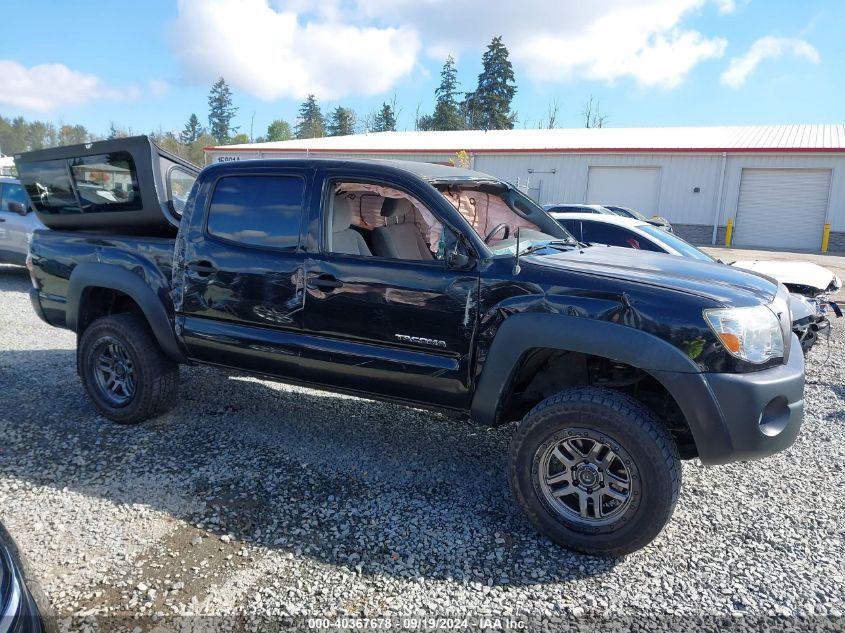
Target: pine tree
{"x": 447, "y": 113}
{"x": 311, "y": 123}
{"x": 490, "y": 107}
{"x": 279, "y": 131}
{"x": 385, "y": 119}
{"x": 221, "y": 112}
{"x": 193, "y": 130}
{"x": 342, "y": 121}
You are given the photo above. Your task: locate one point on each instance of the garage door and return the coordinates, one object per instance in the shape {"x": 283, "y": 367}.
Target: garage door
{"x": 782, "y": 208}
{"x": 637, "y": 188}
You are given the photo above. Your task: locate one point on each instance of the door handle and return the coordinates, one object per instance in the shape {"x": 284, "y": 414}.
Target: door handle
{"x": 324, "y": 282}
{"x": 202, "y": 268}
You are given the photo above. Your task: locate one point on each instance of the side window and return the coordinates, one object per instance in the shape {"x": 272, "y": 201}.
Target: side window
{"x": 11, "y": 192}
{"x": 49, "y": 187}
{"x": 647, "y": 245}
{"x": 179, "y": 185}
{"x": 374, "y": 220}
{"x": 106, "y": 182}
{"x": 573, "y": 226}
{"x": 257, "y": 210}
{"x": 609, "y": 234}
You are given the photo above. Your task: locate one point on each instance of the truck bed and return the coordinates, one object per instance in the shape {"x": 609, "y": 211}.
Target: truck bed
{"x": 55, "y": 254}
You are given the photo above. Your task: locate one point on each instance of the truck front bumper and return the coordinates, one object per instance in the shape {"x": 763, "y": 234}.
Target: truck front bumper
{"x": 737, "y": 417}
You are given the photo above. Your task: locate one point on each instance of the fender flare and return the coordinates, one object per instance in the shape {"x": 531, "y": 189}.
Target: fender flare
{"x": 681, "y": 377}
{"x": 91, "y": 275}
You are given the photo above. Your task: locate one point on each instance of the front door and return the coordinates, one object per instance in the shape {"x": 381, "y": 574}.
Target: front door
{"x": 378, "y": 322}
{"x": 242, "y": 265}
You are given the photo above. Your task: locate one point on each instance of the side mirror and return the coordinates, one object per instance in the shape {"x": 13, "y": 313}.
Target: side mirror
{"x": 17, "y": 207}
{"x": 458, "y": 261}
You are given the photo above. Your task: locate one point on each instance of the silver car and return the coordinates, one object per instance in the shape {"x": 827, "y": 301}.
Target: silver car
{"x": 17, "y": 222}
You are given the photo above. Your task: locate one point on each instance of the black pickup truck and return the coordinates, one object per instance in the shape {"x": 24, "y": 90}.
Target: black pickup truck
{"x": 428, "y": 285}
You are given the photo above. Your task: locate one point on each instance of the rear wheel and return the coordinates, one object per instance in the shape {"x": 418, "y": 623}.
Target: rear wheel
{"x": 594, "y": 471}
{"x": 125, "y": 373}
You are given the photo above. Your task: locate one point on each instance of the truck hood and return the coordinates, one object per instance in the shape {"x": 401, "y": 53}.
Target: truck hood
{"x": 724, "y": 284}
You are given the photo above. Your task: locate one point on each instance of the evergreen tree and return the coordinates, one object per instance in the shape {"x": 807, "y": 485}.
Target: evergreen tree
{"x": 490, "y": 107}
{"x": 447, "y": 113}
{"x": 471, "y": 112}
{"x": 279, "y": 131}
{"x": 311, "y": 123}
{"x": 425, "y": 123}
{"x": 193, "y": 130}
{"x": 385, "y": 119}
{"x": 221, "y": 112}
{"x": 342, "y": 121}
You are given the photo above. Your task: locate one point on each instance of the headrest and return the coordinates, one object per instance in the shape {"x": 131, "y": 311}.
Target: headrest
{"x": 395, "y": 207}
{"x": 341, "y": 213}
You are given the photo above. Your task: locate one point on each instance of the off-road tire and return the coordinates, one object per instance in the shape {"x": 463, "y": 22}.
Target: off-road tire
{"x": 626, "y": 426}
{"x": 156, "y": 376}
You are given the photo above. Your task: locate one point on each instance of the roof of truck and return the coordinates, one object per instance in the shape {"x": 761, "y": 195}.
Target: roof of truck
{"x": 426, "y": 171}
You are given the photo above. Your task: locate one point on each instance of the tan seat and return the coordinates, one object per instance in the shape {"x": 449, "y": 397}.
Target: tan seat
{"x": 399, "y": 239}
{"x": 344, "y": 239}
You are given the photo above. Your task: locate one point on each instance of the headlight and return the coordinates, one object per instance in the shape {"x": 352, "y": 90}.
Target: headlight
{"x": 752, "y": 334}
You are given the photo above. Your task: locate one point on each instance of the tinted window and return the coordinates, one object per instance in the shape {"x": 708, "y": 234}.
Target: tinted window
{"x": 573, "y": 226}
{"x": 106, "y": 182}
{"x": 48, "y": 186}
{"x": 11, "y": 192}
{"x": 600, "y": 233}
{"x": 257, "y": 210}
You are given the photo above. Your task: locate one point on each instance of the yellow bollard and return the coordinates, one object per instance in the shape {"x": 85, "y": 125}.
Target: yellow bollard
{"x": 825, "y": 237}
{"x": 729, "y": 232}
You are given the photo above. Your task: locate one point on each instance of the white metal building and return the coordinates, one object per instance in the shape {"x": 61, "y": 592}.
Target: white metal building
{"x": 780, "y": 184}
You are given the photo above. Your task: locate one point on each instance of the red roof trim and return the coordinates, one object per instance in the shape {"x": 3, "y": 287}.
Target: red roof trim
{"x": 550, "y": 150}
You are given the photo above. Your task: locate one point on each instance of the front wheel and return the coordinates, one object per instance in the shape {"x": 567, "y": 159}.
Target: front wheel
{"x": 594, "y": 471}
{"x": 124, "y": 371}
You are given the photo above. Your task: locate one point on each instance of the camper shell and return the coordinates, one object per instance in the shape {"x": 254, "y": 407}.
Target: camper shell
{"x": 126, "y": 185}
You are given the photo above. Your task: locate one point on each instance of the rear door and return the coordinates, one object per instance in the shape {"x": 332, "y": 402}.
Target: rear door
{"x": 242, "y": 290}
{"x": 395, "y": 328}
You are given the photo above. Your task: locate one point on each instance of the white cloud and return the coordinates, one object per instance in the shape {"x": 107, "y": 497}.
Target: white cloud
{"x": 769, "y": 47}
{"x": 158, "y": 87}
{"x": 292, "y": 50}
{"x": 560, "y": 40}
{"x": 50, "y": 86}
{"x": 726, "y": 6}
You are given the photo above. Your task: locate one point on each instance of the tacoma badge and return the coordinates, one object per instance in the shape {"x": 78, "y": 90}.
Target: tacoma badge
{"x": 420, "y": 340}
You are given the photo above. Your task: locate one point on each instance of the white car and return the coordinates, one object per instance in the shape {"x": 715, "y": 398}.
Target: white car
{"x": 807, "y": 282}
{"x": 17, "y": 222}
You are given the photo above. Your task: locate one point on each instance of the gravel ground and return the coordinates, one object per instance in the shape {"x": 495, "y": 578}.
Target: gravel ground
{"x": 253, "y": 503}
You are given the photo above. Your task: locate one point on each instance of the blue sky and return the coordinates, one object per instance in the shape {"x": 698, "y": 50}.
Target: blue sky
{"x": 148, "y": 65}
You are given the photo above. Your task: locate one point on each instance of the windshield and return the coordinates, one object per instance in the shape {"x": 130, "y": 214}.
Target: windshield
{"x": 501, "y": 215}
{"x": 673, "y": 241}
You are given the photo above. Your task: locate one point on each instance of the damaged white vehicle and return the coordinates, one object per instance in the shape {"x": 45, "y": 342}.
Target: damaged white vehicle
{"x": 809, "y": 284}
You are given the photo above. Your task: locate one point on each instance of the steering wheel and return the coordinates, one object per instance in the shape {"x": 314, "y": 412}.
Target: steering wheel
{"x": 496, "y": 229}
